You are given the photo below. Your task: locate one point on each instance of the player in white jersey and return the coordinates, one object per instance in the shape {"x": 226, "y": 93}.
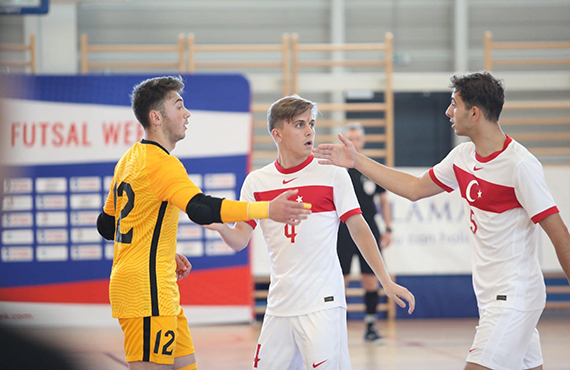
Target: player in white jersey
{"x": 506, "y": 195}
{"x": 305, "y": 321}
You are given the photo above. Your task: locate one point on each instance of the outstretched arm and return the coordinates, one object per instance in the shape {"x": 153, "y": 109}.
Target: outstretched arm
{"x": 560, "y": 238}
{"x": 235, "y": 237}
{"x": 366, "y": 243}
{"x": 386, "y": 238}
{"x": 398, "y": 182}
{"x": 204, "y": 209}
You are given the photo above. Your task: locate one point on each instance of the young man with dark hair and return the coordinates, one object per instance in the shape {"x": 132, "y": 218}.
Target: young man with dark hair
{"x": 148, "y": 190}
{"x": 305, "y": 322}
{"x": 506, "y": 194}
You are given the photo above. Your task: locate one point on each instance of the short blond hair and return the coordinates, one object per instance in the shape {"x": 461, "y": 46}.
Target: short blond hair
{"x": 284, "y": 109}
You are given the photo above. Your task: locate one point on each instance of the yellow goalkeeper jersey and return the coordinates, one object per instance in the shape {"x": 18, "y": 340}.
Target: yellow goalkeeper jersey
{"x": 149, "y": 188}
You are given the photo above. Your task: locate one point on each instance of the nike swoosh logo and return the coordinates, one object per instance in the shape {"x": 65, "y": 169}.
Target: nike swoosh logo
{"x": 473, "y": 349}
{"x": 477, "y": 168}
{"x": 288, "y": 181}
{"x": 319, "y": 364}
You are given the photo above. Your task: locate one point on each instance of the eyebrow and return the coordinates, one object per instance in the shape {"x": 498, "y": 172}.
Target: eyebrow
{"x": 302, "y": 120}
{"x": 179, "y": 99}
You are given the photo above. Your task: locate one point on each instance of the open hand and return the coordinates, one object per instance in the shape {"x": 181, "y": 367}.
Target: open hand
{"x": 397, "y": 293}
{"x": 287, "y": 211}
{"x": 342, "y": 155}
{"x": 215, "y": 226}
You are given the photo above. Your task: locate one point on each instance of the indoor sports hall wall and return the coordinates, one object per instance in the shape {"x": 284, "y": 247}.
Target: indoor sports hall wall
{"x": 61, "y": 137}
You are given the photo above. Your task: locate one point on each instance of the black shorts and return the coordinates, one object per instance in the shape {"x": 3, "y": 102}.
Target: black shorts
{"x": 346, "y": 249}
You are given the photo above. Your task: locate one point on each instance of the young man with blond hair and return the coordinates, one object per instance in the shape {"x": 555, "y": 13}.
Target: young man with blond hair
{"x": 305, "y": 321}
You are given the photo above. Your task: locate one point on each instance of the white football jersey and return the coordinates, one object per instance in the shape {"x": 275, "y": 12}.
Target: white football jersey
{"x": 305, "y": 270}
{"x": 506, "y": 196}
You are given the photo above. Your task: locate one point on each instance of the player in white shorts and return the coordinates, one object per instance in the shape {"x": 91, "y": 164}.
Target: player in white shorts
{"x": 305, "y": 321}
{"x": 506, "y": 195}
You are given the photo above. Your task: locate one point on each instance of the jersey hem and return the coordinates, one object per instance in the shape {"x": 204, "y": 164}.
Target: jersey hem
{"x": 301, "y": 312}
{"x": 512, "y": 307}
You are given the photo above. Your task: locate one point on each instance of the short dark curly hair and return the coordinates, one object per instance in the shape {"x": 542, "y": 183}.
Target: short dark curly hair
{"x": 483, "y": 90}
{"x": 150, "y": 95}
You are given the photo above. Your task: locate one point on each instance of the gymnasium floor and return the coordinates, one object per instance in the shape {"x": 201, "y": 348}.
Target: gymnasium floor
{"x": 410, "y": 345}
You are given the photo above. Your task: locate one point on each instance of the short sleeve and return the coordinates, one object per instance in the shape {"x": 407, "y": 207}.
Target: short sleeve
{"x": 170, "y": 182}
{"x": 345, "y": 200}
{"x": 443, "y": 174}
{"x": 531, "y": 190}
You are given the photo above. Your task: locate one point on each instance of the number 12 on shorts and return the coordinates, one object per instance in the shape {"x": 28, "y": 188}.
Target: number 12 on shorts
{"x": 166, "y": 350}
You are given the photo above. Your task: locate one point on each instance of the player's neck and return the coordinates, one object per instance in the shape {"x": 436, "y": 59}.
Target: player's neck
{"x": 489, "y": 140}
{"x": 158, "y": 137}
{"x": 290, "y": 160}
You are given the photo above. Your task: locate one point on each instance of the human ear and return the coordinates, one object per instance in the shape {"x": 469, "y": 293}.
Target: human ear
{"x": 155, "y": 117}
{"x": 475, "y": 113}
{"x": 276, "y": 135}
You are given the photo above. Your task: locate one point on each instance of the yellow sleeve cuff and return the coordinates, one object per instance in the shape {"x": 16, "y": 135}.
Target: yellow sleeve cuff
{"x": 257, "y": 210}
{"x": 235, "y": 211}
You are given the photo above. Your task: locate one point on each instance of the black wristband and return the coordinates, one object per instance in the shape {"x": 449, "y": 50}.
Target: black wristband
{"x": 388, "y": 229}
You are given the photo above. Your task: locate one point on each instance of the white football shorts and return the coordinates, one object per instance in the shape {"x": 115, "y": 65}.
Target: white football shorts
{"x": 317, "y": 340}
{"x": 506, "y": 339}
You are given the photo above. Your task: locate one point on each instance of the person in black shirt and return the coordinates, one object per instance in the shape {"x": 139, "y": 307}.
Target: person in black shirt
{"x": 366, "y": 191}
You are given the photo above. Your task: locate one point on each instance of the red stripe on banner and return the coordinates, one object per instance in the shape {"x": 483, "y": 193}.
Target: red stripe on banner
{"x": 223, "y": 286}
{"x": 321, "y": 197}
{"x": 485, "y": 195}
{"x": 95, "y": 291}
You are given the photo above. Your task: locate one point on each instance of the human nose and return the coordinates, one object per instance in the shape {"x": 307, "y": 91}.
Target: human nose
{"x": 449, "y": 111}
{"x": 188, "y": 114}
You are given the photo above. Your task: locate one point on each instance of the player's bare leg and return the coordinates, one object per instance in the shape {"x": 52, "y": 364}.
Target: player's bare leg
{"x": 183, "y": 362}
{"x": 143, "y": 365}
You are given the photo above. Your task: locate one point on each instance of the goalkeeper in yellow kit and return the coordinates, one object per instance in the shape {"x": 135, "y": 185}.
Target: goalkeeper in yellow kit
{"x": 141, "y": 215}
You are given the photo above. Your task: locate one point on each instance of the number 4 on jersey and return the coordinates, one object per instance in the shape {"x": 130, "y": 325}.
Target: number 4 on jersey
{"x": 290, "y": 232}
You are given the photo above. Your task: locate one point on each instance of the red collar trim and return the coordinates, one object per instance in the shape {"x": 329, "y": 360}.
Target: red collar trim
{"x": 298, "y": 167}
{"x": 492, "y": 156}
